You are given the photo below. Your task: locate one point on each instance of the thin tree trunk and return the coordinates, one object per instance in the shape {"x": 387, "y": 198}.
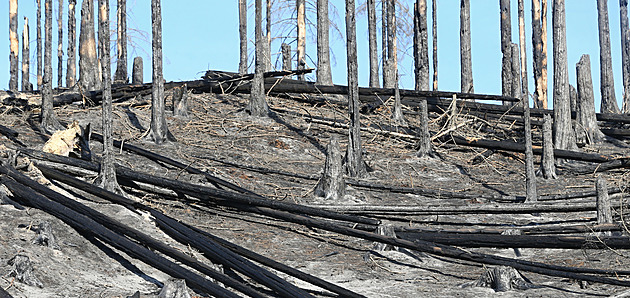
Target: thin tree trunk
{"x": 548, "y": 166}
{"x": 384, "y": 57}
{"x": 40, "y": 81}
{"x": 26, "y": 52}
{"x": 435, "y": 51}
{"x": 625, "y": 53}
{"x": 373, "y": 45}
{"x": 324, "y": 75}
{"x": 465, "y": 48}
{"x": 424, "y": 143}
{"x": 49, "y": 119}
{"x": 257, "y": 103}
{"x": 537, "y": 53}
{"x": 354, "y": 157}
{"x": 561, "y": 102}
{"x": 14, "y": 46}
{"x": 506, "y": 50}
{"x": 516, "y": 73}
{"x": 60, "y": 45}
{"x": 286, "y": 56}
{"x": 421, "y": 45}
{"x": 390, "y": 74}
{"x": 121, "y": 75}
{"x": 267, "y": 53}
{"x": 301, "y": 37}
{"x": 609, "y": 102}
{"x": 242, "y": 32}
{"x": 107, "y": 174}
{"x": 159, "y": 129}
{"x": 544, "y": 42}
{"x": 71, "y": 69}
{"x": 585, "y": 110}
{"x": 88, "y": 65}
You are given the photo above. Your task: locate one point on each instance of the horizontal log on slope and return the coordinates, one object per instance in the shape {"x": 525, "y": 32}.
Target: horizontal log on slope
{"x": 88, "y": 226}
{"x": 535, "y": 230}
{"x": 606, "y": 166}
{"x": 9, "y": 133}
{"x": 114, "y": 198}
{"x": 520, "y": 241}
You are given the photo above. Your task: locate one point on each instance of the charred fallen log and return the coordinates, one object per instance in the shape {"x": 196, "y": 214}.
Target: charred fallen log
{"x": 536, "y": 230}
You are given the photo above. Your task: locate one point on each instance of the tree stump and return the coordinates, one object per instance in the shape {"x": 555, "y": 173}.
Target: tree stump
{"x": 398, "y": 118}
{"x": 137, "y": 75}
{"x": 332, "y": 185}
{"x": 503, "y": 279}
{"x": 385, "y": 230}
{"x": 424, "y": 143}
{"x": 22, "y": 270}
{"x": 180, "y": 101}
{"x": 585, "y": 105}
{"x": 45, "y": 236}
{"x": 548, "y": 167}
{"x": 604, "y": 214}
{"x": 174, "y": 288}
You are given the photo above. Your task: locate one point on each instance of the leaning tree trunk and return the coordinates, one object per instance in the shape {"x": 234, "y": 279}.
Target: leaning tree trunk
{"x": 561, "y": 102}
{"x": 609, "y": 102}
{"x": 373, "y": 44}
{"x": 60, "y": 44}
{"x": 257, "y": 103}
{"x": 585, "y": 107}
{"x": 121, "y": 75}
{"x": 159, "y": 129}
{"x": 88, "y": 71}
{"x": 14, "y": 46}
{"x": 390, "y": 74}
{"x": 26, "y": 52}
{"x": 242, "y": 33}
{"x": 49, "y": 119}
{"x": 506, "y": 49}
{"x": 107, "y": 174}
{"x": 435, "y": 52}
{"x": 71, "y": 69}
{"x": 301, "y": 37}
{"x": 324, "y": 75}
{"x": 354, "y": 158}
{"x": 625, "y": 53}
{"x": 465, "y": 48}
{"x": 421, "y": 45}
{"x": 40, "y": 80}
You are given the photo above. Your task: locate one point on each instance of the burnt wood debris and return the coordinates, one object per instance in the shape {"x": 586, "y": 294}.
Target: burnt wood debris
{"x": 566, "y": 170}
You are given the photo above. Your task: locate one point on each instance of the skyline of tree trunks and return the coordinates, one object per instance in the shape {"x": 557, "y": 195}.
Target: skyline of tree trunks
{"x": 71, "y": 69}
{"x": 373, "y": 44}
{"x": 121, "y": 75}
{"x": 465, "y": 48}
{"x": 562, "y": 128}
{"x": 14, "y": 46}
{"x": 607, "y": 82}
{"x": 323, "y": 72}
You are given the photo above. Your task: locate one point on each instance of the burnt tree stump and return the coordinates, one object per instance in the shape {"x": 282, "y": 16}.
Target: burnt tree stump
{"x": 585, "y": 106}
{"x": 604, "y": 214}
{"x": 548, "y": 167}
{"x": 174, "y": 288}
{"x": 45, "y": 236}
{"x": 503, "y": 279}
{"x": 22, "y": 270}
{"x": 384, "y": 230}
{"x": 286, "y": 56}
{"x": 137, "y": 75}
{"x": 180, "y": 101}
{"x": 332, "y": 185}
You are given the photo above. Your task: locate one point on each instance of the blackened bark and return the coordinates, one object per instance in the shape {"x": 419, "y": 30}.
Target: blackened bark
{"x": 40, "y": 80}
{"x": 608, "y": 100}
{"x": 14, "y": 45}
{"x": 60, "y": 44}
{"x": 585, "y": 107}
{"x": 286, "y": 56}
{"x": 354, "y": 157}
{"x": 506, "y": 49}
{"x": 424, "y": 143}
{"x": 267, "y": 43}
{"x": 537, "y": 53}
{"x": 242, "y": 32}
{"x": 562, "y": 129}
{"x": 159, "y": 129}
{"x": 625, "y": 53}
{"x": 257, "y": 103}
{"x": 88, "y": 65}
{"x": 301, "y": 36}
{"x": 373, "y": 45}
{"x": 384, "y": 58}
{"x": 465, "y": 48}
{"x": 390, "y": 68}
{"x": 397, "y": 117}
{"x": 604, "y": 214}
{"x": 435, "y": 52}
{"x": 324, "y": 75}
{"x": 523, "y": 50}
{"x": 544, "y": 42}
{"x": 121, "y": 43}
{"x": 332, "y": 185}
{"x": 180, "y": 101}
{"x": 421, "y": 45}
{"x": 49, "y": 119}
{"x": 573, "y": 95}
{"x": 26, "y": 52}
{"x": 71, "y": 69}
{"x": 137, "y": 75}
{"x": 548, "y": 166}
{"x": 516, "y": 72}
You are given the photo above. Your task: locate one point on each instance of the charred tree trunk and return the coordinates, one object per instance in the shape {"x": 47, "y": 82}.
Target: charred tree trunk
{"x": 257, "y": 103}
{"x": 354, "y": 157}
{"x": 530, "y": 174}
{"x": 421, "y": 45}
{"x": 604, "y": 214}
{"x": 544, "y": 42}
{"x": 625, "y": 53}
{"x": 324, "y": 75}
{"x": 286, "y": 56}
{"x": 180, "y": 101}
{"x": 609, "y": 102}
{"x": 465, "y": 48}
{"x": 121, "y": 44}
{"x": 159, "y": 129}
{"x": 332, "y": 186}
{"x": 137, "y": 75}
{"x": 562, "y": 129}
{"x": 40, "y": 80}
{"x": 548, "y": 166}
{"x": 88, "y": 65}
{"x": 384, "y": 59}
{"x": 242, "y": 32}
{"x": 14, "y": 44}
{"x": 373, "y": 44}
{"x": 435, "y": 52}
{"x": 107, "y": 175}
{"x": 424, "y": 143}
{"x": 26, "y": 53}
{"x": 71, "y": 69}
{"x": 301, "y": 36}
{"x": 267, "y": 43}
{"x": 516, "y": 72}
{"x": 390, "y": 74}
{"x": 585, "y": 107}
{"x": 60, "y": 45}
{"x": 537, "y": 53}
{"x": 49, "y": 119}
{"x": 506, "y": 50}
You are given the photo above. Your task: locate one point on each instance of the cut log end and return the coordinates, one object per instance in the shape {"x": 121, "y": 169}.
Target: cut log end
{"x": 503, "y": 279}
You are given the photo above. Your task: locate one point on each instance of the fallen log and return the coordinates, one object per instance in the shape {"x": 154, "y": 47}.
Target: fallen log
{"x": 9, "y": 133}
{"x": 536, "y": 230}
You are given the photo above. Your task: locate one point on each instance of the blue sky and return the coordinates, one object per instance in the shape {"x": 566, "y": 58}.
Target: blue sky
{"x": 201, "y": 35}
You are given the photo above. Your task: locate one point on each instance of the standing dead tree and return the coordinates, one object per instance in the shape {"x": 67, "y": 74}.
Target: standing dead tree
{"x": 625, "y": 53}
{"x": 301, "y": 36}
{"x": 435, "y": 52}
{"x": 506, "y": 49}
{"x": 26, "y": 53}
{"x": 71, "y": 69}
{"x": 465, "y": 48}
{"x": 14, "y": 45}
{"x": 421, "y": 45}
{"x": 88, "y": 72}
{"x": 121, "y": 44}
{"x": 609, "y": 102}
{"x": 39, "y": 45}
{"x": 257, "y": 103}
{"x": 49, "y": 122}
{"x": 585, "y": 107}
{"x": 373, "y": 46}
{"x": 539, "y": 43}
{"x": 242, "y": 33}
{"x": 324, "y": 74}
{"x": 562, "y": 128}
{"x": 354, "y": 157}
{"x": 390, "y": 45}
{"x": 60, "y": 44}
